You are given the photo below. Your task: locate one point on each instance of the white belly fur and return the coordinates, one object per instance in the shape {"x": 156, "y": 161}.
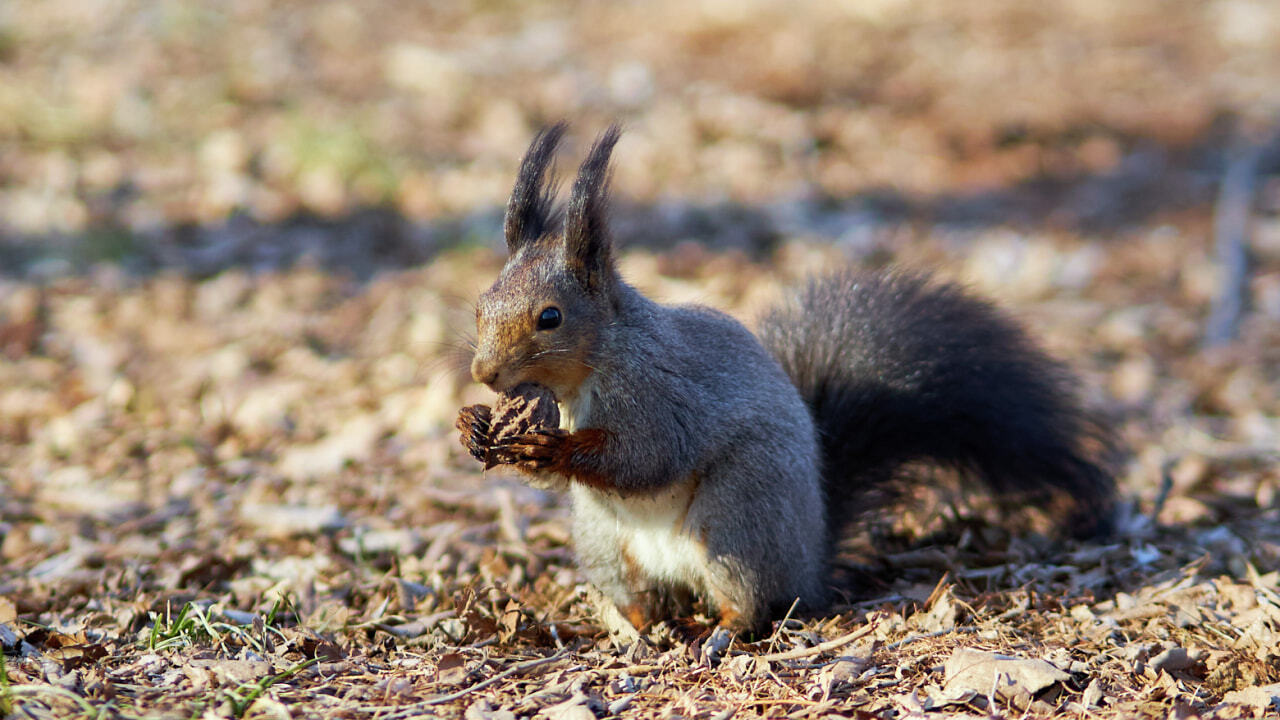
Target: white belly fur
{"x": 650, "y": 531}
{"x": 574, "y": 413}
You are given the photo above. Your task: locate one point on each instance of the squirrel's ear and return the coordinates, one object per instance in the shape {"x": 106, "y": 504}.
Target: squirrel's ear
{"x": 588, "y": 249}
{"x": 530, "y": 211}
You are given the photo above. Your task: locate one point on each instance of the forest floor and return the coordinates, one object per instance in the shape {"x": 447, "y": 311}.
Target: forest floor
{"x": 239, "y": 250}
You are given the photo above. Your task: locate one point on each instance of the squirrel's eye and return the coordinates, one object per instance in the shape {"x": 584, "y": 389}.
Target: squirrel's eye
{"x": 550, "y": 318}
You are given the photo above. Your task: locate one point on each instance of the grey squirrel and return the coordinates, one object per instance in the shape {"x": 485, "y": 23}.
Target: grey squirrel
{"x": 705, "y": 462}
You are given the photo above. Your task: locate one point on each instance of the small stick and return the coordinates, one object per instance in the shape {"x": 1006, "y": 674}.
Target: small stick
{"x": 633, "y": 670}
{"x": 939, "y": 633}
{"x": 773, "y": 639}
{"x": 412, "y": 710}
{"x": 820, "y": 647}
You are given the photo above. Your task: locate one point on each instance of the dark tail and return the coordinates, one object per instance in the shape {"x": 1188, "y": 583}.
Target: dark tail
{"x": 896, "y": 368}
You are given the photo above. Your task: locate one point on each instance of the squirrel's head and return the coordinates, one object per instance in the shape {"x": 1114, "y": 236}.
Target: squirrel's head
{"x": 540, "y": 320}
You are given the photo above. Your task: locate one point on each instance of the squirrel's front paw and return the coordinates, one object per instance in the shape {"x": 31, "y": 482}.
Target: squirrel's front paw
{"x": 474, "y": 422}
{"x": 532, "y": 451}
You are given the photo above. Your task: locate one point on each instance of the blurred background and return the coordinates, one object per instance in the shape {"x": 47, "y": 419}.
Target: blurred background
{"x": 134, "y": 132}
{"x": 239, "y": 243}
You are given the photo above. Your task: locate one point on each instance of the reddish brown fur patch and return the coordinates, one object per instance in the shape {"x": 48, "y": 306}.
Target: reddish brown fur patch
{"x": 729, "y": 615}
{"x": 637, "y": 614}
{"x": 631, "y": 569}
{"x": 731, "y": 618}
{"x": 563, "y": 372}
{"x": 695, "y": 481}
{"x": 575, "y": 457}
{"x": 637, "y": 611}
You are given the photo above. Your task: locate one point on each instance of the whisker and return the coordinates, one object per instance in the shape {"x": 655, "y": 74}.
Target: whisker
{"x": 532, "y": 359}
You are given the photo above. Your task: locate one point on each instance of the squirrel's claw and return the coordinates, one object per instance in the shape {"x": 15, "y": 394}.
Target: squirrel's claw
{"x": 532, "y": 451}
{"x": 474, "y": 424}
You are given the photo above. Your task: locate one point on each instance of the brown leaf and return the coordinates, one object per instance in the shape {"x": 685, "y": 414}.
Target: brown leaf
{"x": 72, "y": 650}
{"x": 1261, "y": 697}
{"x": 234, "y": 672}
{"x": 1092, "y": 695}
{"x": 451, "y": 669}
{"x": 940, "y": 613}
{"x": 509, "y": 623}
{"x": 575, "y": 708}
{"x": 484, "y": 710}
{"x": 1013, "y": 679}
{"x": 201, "y": 677}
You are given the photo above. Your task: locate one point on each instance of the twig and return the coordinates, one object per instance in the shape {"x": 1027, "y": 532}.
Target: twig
{"x": 414, "y": 709}
{"x": 822, "y": 707}
{"x": 820, "y": 647}
{"x": 1231, "y": 236}
{"x": 632, "y": 670}
{"x": 925, "y": 636}
{"x": 781, "y": 701}
{"x": 773, "y": 639}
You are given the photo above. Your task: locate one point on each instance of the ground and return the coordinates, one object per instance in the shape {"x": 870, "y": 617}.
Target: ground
{"x": 239, "y": 247}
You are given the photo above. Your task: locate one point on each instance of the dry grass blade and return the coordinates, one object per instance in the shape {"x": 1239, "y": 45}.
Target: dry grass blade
{"x": 822, "y": 647}
{"x": 416, "y": 709}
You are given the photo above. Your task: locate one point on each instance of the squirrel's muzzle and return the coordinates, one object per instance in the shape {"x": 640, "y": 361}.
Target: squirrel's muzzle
{"x": 486, "y": 370}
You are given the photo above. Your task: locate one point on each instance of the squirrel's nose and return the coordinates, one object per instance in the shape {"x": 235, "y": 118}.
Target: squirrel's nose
{"x": 484, "y": 371}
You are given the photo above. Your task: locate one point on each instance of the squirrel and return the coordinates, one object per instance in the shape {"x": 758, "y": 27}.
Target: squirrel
{"x": 704, "y": 461}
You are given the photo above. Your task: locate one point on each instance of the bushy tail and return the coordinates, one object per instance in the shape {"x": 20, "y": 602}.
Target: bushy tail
{"x": 896, "y": 368}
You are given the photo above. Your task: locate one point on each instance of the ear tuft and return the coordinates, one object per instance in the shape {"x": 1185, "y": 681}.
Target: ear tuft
{"x": 588, "y": 248}
{"x": 530, "y": 211}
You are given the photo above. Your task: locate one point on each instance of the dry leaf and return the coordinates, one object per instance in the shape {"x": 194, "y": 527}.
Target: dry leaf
{"x": 8, "y": 638}
{"x": 1092, "y": 695}
{"x": 451, "y": 669}
{"x": 575, "y": 708}
{"x": 234, "y": 672}
{"x": 1175, "y": 658}
{"x": 484, "y": 710}
{"x": 940, "y": 613}
{"x": 8, "y": 611}
{"x": 1261, "y": 697}
{"x": 1012, "y": 679}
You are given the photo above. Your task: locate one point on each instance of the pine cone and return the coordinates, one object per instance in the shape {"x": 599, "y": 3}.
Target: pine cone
{"x": 523, "y": 409}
